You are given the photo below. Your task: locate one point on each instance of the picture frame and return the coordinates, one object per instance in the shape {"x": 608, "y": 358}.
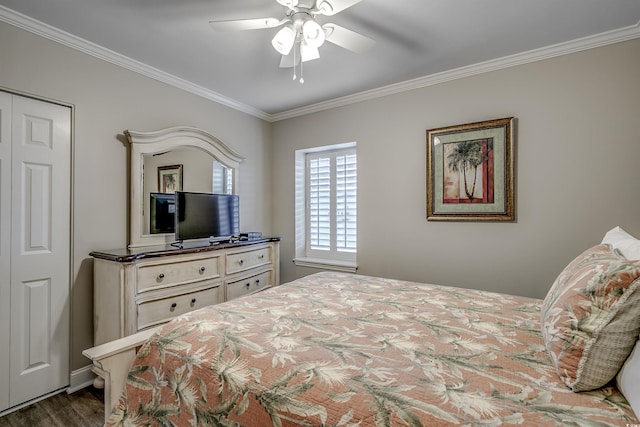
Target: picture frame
{"x": 169, "y": 178}
{"x": 471, "y": 172}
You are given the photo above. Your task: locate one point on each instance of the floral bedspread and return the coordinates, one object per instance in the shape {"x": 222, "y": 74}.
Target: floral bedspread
{"x": 335, "y": 349}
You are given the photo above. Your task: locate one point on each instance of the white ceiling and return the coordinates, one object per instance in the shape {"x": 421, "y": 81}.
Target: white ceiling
{"x": 415, "y": 39}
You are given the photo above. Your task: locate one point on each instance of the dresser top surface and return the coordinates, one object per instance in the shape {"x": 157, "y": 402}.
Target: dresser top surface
{"x": 130, "y": 255}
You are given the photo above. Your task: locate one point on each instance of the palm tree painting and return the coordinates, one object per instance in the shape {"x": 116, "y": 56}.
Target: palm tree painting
{"x": 170, "y": 178}
{"x": 468, "y": 171}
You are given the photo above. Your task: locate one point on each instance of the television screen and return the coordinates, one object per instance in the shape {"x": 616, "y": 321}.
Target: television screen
{"x": 162, "y": 212}
{"x": 205, "y": 215}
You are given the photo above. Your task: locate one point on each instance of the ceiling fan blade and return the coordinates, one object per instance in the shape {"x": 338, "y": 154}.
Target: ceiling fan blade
{"x": 331, "y": 7}
{"x": 347, "y": 39}
{"x": 246, "y": 24}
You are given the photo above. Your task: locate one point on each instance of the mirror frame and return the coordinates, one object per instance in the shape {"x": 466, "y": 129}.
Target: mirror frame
{"x": 143, "y": 143}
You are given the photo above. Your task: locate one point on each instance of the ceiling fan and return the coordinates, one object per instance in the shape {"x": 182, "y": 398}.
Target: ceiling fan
{"x": 301, "y": 35}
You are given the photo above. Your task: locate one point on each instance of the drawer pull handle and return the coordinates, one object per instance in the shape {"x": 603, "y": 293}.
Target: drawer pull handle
{"x": 193, "y": 302}
{"x": 173, "y": 306}
{"x": 248, "y": 285}
{"x": 241, "y": 262}
{"x": 261, "y": 256}
{"x": 202, "y": 269}
{"x": 161, "y": 276}
{"x": 257, "y": 282}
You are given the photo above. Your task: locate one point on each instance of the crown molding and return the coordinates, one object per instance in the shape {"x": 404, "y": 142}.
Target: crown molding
{"x": 44, "y": 30}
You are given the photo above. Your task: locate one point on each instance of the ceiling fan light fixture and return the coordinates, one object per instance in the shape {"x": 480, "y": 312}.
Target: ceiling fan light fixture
{"x": 313, "y": 33}
{"x": 284, "y": 39}
{"x": 288, "y": 3}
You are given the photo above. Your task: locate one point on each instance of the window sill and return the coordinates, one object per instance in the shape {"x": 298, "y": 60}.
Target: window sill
{"x": 327, "y": 264}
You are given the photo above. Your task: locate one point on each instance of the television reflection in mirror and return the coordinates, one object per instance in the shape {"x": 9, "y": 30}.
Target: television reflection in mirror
{"x": 162, "y": 213}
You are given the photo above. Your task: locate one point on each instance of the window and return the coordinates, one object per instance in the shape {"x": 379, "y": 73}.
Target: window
{"x": 222, "y": 179}
{"x": 326, "y": 207}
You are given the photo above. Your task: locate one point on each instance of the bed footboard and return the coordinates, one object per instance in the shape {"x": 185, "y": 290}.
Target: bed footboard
{"x": 111, "y": 362}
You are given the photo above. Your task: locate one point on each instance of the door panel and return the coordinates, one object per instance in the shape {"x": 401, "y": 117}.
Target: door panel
{"x": 5, "y": 244}
{"x": 36, "y": 299}
{"x": 40, "y": 248}
{"x": 36, "y": 222}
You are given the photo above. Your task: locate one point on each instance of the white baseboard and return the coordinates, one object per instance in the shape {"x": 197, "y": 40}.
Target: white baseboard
{"x": 81, "y": 378}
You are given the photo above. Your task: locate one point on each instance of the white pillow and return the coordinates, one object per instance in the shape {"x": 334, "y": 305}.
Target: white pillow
{"x": 628, "y": 379}
{"x": 628, "y": 245}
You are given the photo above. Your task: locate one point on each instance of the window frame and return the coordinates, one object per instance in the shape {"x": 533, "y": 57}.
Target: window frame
{"x": 304, "y": 255}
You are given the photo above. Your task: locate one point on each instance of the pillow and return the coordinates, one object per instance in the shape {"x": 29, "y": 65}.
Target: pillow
{"x": 628, "y": 245}
{"x": 591, "y": 317}
{"x": 628, "y": 379}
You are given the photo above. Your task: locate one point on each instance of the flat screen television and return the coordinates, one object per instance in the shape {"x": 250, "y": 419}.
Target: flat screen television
{"x": 162, "y": 213}
{"x": 206, "y": 216}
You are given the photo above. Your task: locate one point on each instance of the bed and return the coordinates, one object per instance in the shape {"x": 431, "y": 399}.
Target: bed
{"x": 336, "y": 349}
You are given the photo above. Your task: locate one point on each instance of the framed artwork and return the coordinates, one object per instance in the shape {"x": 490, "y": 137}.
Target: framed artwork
{"x": 169, "y": 178}
{"x": 470, "y": 172}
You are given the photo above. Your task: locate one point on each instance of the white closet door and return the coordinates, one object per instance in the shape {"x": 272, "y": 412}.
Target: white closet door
{"x": 5, "y": 244}
{"x": 40, "y": 254}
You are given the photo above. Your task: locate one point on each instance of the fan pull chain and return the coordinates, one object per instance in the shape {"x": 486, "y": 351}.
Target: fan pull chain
{"x": 295, "y": 76}
{"x": 294, "y": 62}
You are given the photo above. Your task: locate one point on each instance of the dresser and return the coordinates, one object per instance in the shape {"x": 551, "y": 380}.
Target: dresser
{"x": 136, "y": 289}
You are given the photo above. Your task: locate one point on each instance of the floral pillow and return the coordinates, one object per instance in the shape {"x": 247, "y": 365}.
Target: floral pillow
{"x": 591, "y": 317}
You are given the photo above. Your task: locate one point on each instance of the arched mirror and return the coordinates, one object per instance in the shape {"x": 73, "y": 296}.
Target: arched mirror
{"x": 177, "y": 158}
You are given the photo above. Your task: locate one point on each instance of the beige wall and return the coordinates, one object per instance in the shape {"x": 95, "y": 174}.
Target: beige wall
{"x": 107, "y": 100}
{"x": 578, "y": 147}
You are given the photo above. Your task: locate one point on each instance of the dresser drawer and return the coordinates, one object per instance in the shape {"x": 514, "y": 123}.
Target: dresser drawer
{"x": 241, "y": 261}
{"x": 249, "y": 285}
{"x": 152, "y": 276}
{"x": 162, "y": 310}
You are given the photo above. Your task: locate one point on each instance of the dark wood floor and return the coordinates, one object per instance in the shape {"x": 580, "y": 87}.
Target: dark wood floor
{"x": 84, "y": 408}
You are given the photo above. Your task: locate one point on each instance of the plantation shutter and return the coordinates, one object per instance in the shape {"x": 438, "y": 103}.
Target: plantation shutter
{"x": 320, "y": 203}
{"x": 332, "y": 203}
{"x": 222, "y": 179}
{"x": 346, "y": 207}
